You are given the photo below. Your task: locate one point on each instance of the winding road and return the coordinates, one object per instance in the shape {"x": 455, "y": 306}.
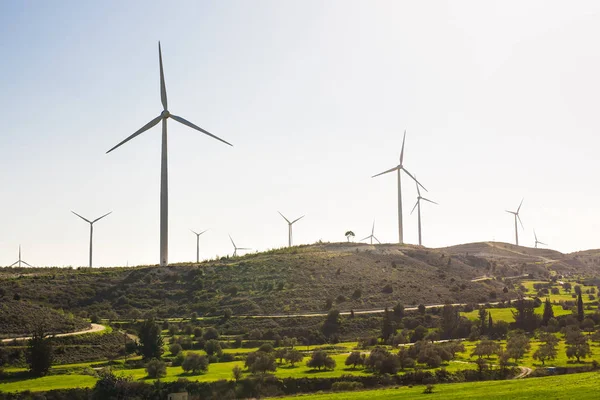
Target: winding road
{"x": 92, "y": 329}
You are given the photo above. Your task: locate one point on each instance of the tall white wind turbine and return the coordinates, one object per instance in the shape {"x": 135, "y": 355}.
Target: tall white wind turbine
{"x": 290, "y": 227}
{"x": 400, "y": 167}
{"x": 91, "y": 229}
{"x": 19, "y": 261}
{"x": 537, "y": 241}
{"x": 516, "y": 214}
{"x": 164, "y": 192}
{"x": 235, "y": 248}
{"x": 418, "y": 206}
{"x": 198, "y": 244}
{"x": 372, "y": 235}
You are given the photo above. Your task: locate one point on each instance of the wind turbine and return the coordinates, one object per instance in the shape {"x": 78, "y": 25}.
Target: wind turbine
{"x": 235, "y": 248}
{"x": 400, "y": 167}
{"x": 91, "y": 229}
{"x": 372, "y": 235}
{"x": 418, "y": 206}
{"x": 198, "y": 244}
{"x": 537, "y": 241}
{"x": 164, "y": 192}
{"x": 19, "y": 261}
{"x": 516, "y": 214}
{"x": 290, "y": 227}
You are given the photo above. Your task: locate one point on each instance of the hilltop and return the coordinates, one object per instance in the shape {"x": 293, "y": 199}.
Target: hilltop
{"x": 293, "y": 280}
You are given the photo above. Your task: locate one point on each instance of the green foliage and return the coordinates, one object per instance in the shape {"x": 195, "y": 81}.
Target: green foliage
{"x": 195, "y": 363}
{"x": 213, "y": 347}
{"x": 175, "y": 348}
{"x": 354, "y": 359}
{"x": 577, "y": 345}
{"x": 517, "y": 345}
{"x": 156, "y": 369}
{"x": 260, "y": 362}
{"x": 151, "y": 342}
{"x": 39, "y": 352}
{"x": 320, "y": 359}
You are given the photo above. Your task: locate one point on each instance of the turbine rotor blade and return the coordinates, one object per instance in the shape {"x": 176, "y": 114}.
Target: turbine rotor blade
{"x": 520, "y": 205}
{"x": 188, "y": 123}
{"x": 29, "y": 265}
{"x": 417, "y": 185}
{"x": 431, "y": 201}
{"x": 402, "y": 151}
{"x": 99, "y": 218}
{"x": 232, "y": 242}
{"x": 376, "y": 239}
{"x": 521, "y": 222}
{"x": 194, "y": 232}
{"x": 15, "y": 263}
{"x": 388, "y": 171}
{"x": 543, "y": 243}
{"x": 364, "y": 238}
{"x": 163, "y": 88}
{"x": 206, "y": 230}
{"x": 413, "y": 209}
{"x": 139, "y": 131}
{"x": 415, "y": 179}
{"x": 534, "y": 235}
{"x": 284, "y": 217}
{"x": 298, "y": 219}
{"x": 85, "y": 219}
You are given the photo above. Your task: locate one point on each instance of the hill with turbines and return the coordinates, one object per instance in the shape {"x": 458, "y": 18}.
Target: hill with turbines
{"x": 296, "y": 280}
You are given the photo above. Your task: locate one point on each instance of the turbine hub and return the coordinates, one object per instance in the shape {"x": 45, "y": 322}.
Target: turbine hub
{"x": 165, "y": 114}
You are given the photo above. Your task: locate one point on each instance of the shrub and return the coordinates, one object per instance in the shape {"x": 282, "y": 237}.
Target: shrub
{"x": 178, "y": 360}
{"x": 213, "y": 347}
{"x": 320, "y": 359}
{"x": 175, "y": 349}
{"x": 346, "y": 386}
{"x": 156, "y": 369}
{"x": 194, "y": 362}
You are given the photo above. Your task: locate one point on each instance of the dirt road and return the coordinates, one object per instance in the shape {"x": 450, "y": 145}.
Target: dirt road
{"x": 93, "y": 328}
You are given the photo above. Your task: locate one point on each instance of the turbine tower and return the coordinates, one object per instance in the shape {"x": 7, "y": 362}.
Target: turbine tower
{"x": 198, "y": 245}
{"x": 418, "y": 206}
{"x": 290, "y": 227}
{"x": 164, "y": 192}
{"x": 91, "y": 229}
{"x": 516, "y": 214}
{"x": 235, "y": 248}
{"x": 537, "y": 241}
{"x": 400, "y": 167}
{"x": 372, "y": 235}
{"x": 19, "y": 261}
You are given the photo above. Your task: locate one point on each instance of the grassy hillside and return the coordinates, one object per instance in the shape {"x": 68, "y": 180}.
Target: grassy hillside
{"x": 19, "y": 317}
{"x": 301, "y": 279}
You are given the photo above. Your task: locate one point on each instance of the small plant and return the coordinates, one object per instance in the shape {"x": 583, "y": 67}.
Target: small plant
{"x": 428, "y": 389}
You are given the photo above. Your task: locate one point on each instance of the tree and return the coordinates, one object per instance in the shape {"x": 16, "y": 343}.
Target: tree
{"x": 151, "y": 343}
{"x": 39, "y": 352}
{"x": 404, "y": 359}
{"x": 525, "y": 316}
{"x": 156, "y": 369}
{"x": 450, "y": 319}
{"x": 566, "y": 286}
{"x": 320, "y": 359}
{"x": 331, "y": 326}
{"x": 175, "y": 349}
{"x": 195, "y": 363}
{"x": 548, "y": 312}
{"x": 293, "y": 356}
{"x": 490, "y": 323}
{"x": 354, "y": 359}
{"x": 517, "y": 345}
{"x": 349, "y": 234}
{"x": 483, "y": 315}
{"x": 381, "y": 361}
{"x": 580, "y": 312}
{"x": 577, "y": 345}
{"x": 486, "y": 348}
{"x": 281, "y": 353}
{"x": 236, "y": 372}
{"x": 546, "y": 350}
{"x": 211, "y": 333}
{"x": 213, "y": 347}
{"x": 588, "y": 325}
{"x": 387, "y": 326}
{"x": 398, "y": 312}
{"x": 260, "y": 362}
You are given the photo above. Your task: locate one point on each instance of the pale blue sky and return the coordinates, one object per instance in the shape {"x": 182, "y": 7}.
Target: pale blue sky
{"x": 499, "y": 100}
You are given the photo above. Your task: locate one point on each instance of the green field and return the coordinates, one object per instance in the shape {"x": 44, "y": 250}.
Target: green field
{"x": 49, "y": 383}
{"x": 576, "y": 386}
{"x": 505, "y": 314}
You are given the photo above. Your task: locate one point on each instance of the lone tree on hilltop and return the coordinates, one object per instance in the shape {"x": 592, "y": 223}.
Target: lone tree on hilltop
{"x": 349, "y": 234}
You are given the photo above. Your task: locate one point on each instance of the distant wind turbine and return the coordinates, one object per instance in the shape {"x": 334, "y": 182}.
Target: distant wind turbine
{"x": 198, "y": 244}
{"x": 537, "y": 241}
{"x": 91, "y": 229}
{"x": 400, "y": 167}
{"x": 516, "y": 214}
{"x": 372, "y": 235}
{"x": 418, "y": 206}
{"x": 164, "y": 192}
{"x": 19, "y": 261}
{"x": 235, "y": 248}
{"x": 290, "y": 227}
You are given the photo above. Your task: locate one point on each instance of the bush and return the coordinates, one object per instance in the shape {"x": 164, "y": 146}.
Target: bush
{"x": 175, "y": 349}
{"x": 156, "y": 369}
{"x": 428, "y": 389}
{"x": 320, "y": 359}
{"x": 194, "y": 362}
{"x": 178, "y": 360}
{"x": 346, "y": 386}
{"x": 213, "y": 347}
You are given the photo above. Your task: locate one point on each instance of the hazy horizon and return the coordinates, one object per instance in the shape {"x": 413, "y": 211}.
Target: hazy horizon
{"x": 497, "y": 101}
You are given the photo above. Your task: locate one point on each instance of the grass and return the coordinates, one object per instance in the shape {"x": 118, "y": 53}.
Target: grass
{"x": 579, "y": 386}
{"x": 49, "y": 383}
{"x": 505, "y": 314}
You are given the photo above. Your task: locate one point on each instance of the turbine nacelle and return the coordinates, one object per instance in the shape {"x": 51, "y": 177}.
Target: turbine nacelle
{"x": 165, "y": 114}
